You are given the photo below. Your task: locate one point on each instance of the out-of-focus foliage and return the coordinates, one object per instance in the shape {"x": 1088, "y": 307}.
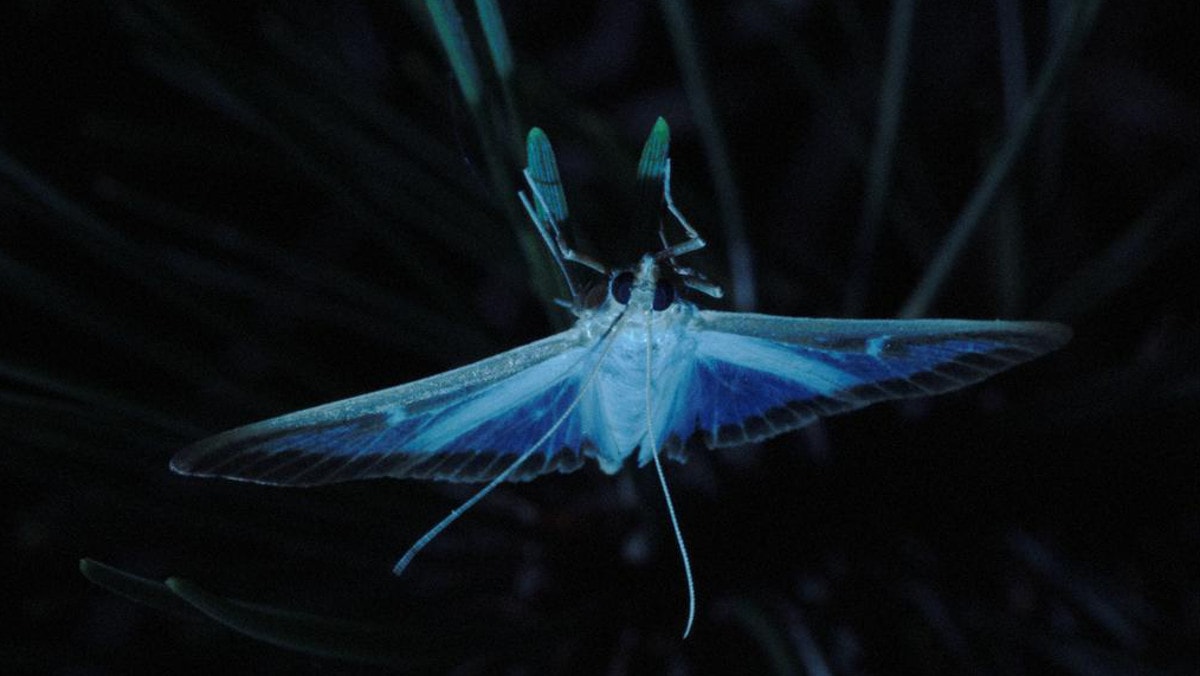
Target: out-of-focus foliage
{"x": 216, "y": 213}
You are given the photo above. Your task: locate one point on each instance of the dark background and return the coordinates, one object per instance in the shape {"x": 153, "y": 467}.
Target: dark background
{"x": 214, "y": 214}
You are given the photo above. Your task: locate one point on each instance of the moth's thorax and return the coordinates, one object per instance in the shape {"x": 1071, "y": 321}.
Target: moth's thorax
{"x": 645, "y": 342}
{"x": 643, "y": 354}
{"x": 598, "y": 322}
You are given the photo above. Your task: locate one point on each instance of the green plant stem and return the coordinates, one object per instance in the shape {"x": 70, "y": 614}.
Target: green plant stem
{"x": 1002, "y": 163}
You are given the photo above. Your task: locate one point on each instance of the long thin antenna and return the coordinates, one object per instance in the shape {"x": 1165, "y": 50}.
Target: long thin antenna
{"x": 662, "y": 479}
{"x": 683, "y": 555}
{"x": 501, "y": 477}
{"x": 458, "y": 511}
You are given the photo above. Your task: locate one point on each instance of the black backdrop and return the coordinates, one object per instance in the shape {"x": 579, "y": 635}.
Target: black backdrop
{"x": 210, "y": 215}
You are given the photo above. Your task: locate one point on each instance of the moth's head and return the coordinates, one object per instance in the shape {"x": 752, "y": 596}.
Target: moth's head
{"x": 657, "y": 283}
{"x": 643, "y": 287}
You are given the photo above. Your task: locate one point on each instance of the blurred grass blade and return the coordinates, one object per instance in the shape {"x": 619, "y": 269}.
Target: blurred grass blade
{"x": 1014, "y": 69}
{"x": 448, "y": 24}
{"x": 304, "y": 632}
{"x": 449, "y": 27}
{"x": 263, "y": 102}
{"x": 106, "y": 244}
{"x": 79, "y": 312}
{"x": 95, "y": 399}
{"x": 1093, "y": 600}
{"x": 1168, "y": 223}
{"x": 147, "y": 592}
{"x": 767, "y": 634}
{"x": 496, "y": 36}
{"x": 806, "y": 645}
{"x": 981, "y": 200}
{"x": 939, "y": 618}
{"x": 1006, "y": 254}
{"x": 1007, "y": 246}
{"x": 882, "y": 161}
{"x": 913, "y": 201}
{"x": 331, "y": 293}
{"x": 678, "y": 15}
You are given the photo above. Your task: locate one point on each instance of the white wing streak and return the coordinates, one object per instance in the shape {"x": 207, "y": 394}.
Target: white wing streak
{"x": 755, "y": 376}
{"x": 466, "y": 424}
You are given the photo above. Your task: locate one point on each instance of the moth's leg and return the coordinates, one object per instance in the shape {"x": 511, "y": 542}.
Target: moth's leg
{"x": 691, "y": 278}
{"x": 550, "y": 225}
{"x": 551, "y": 242}
{"x": 694, "y": 280}
{"x": 694, "y": 241}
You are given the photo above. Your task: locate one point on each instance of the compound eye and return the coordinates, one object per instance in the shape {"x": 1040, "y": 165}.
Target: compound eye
{"x": 621, "y": 287}
{"x": 664, "y": 295}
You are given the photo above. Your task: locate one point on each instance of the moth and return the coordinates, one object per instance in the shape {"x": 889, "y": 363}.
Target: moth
{"x": 643, "y": 373}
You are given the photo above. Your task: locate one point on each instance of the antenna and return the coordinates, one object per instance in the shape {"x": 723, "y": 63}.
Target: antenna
{"x": 662, "y": 480}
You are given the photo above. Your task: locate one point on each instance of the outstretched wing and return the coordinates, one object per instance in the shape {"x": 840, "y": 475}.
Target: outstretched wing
{"x": 755, "y": 376}
{"x": 468, "y": 424}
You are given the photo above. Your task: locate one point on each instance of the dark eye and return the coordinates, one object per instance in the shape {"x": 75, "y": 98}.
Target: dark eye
{"x": 664, "y": 295}
{"x": 621, "y": 286}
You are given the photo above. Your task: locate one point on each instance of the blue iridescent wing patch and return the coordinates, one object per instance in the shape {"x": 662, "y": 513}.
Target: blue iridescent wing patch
{"x": 469, "y": 424}
{"x": 755, "y": 376}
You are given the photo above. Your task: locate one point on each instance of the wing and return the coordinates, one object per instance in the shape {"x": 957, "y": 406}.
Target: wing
{"x": 468, "y": 424}
{"x": 755, "y": 376}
